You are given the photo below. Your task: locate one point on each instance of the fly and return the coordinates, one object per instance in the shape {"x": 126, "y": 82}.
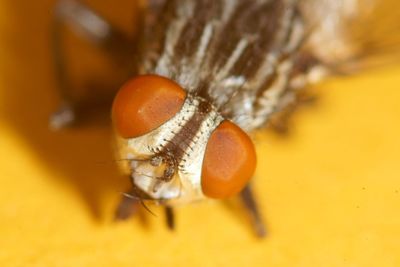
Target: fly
{"x": 205, "y": 74}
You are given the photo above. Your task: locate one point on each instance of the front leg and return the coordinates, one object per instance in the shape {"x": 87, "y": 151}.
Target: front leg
{"x": 250, "y": 204}
{"x": 170, "y": 217}
{"x": 127, "y": 207}
{"x": 86, "y": 22}
{"x": 129, "y": 204}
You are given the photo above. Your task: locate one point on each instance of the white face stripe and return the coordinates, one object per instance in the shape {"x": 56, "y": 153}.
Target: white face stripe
{"x": 173, "y": 34}
{"x": 204, "y": 42}
{"x": 233, "y": 58}
{"x": 189, "y": 70}
{"x": 229, "y": 8}
{"x": 270, "y": 98}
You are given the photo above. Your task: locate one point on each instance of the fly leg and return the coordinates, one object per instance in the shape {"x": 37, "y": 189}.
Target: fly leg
{"x": 249, "y": 202}
{"x": 170, "y": 217}
{"x": 127, "y": 207}
{"x": 87, "y": 23}
{"x": 129, "y": 204}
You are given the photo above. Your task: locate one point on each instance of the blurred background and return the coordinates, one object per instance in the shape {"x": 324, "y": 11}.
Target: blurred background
{"x": 329, "y": 190}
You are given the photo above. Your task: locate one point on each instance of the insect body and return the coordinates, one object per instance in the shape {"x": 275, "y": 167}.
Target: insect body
{"x": 233, "y": 60}
{"x": 210, "y": 72}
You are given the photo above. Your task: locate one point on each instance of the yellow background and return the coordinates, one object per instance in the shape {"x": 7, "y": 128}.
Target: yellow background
{"x": 329, "y": 191}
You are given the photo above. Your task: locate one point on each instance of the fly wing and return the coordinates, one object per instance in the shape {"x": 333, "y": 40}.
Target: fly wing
{"x": 350, "y": 35}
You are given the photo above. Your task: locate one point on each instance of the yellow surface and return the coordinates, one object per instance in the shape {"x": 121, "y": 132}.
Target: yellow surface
{"x": 330, "y": 191}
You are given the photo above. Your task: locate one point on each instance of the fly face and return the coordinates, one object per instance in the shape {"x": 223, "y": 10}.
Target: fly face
{"x": 212, "y": 71}
{"x": 179, "y": 148}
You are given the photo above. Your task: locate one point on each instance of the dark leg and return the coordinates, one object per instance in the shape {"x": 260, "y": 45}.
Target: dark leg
{"x": 127, "y": 207}
{"x": 170, "y": 218}
{"x": 93, "y": 27}
{"x": 251, "y": 206}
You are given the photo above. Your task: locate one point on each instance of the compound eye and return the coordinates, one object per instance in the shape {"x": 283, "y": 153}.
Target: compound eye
{"x": 144, "y": 103}
{"x": 229, "y": 161}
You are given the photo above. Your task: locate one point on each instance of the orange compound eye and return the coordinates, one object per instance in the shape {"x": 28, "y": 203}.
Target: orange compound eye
{"x": 229, "y": 161}
{"x": 144, "y": 103}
